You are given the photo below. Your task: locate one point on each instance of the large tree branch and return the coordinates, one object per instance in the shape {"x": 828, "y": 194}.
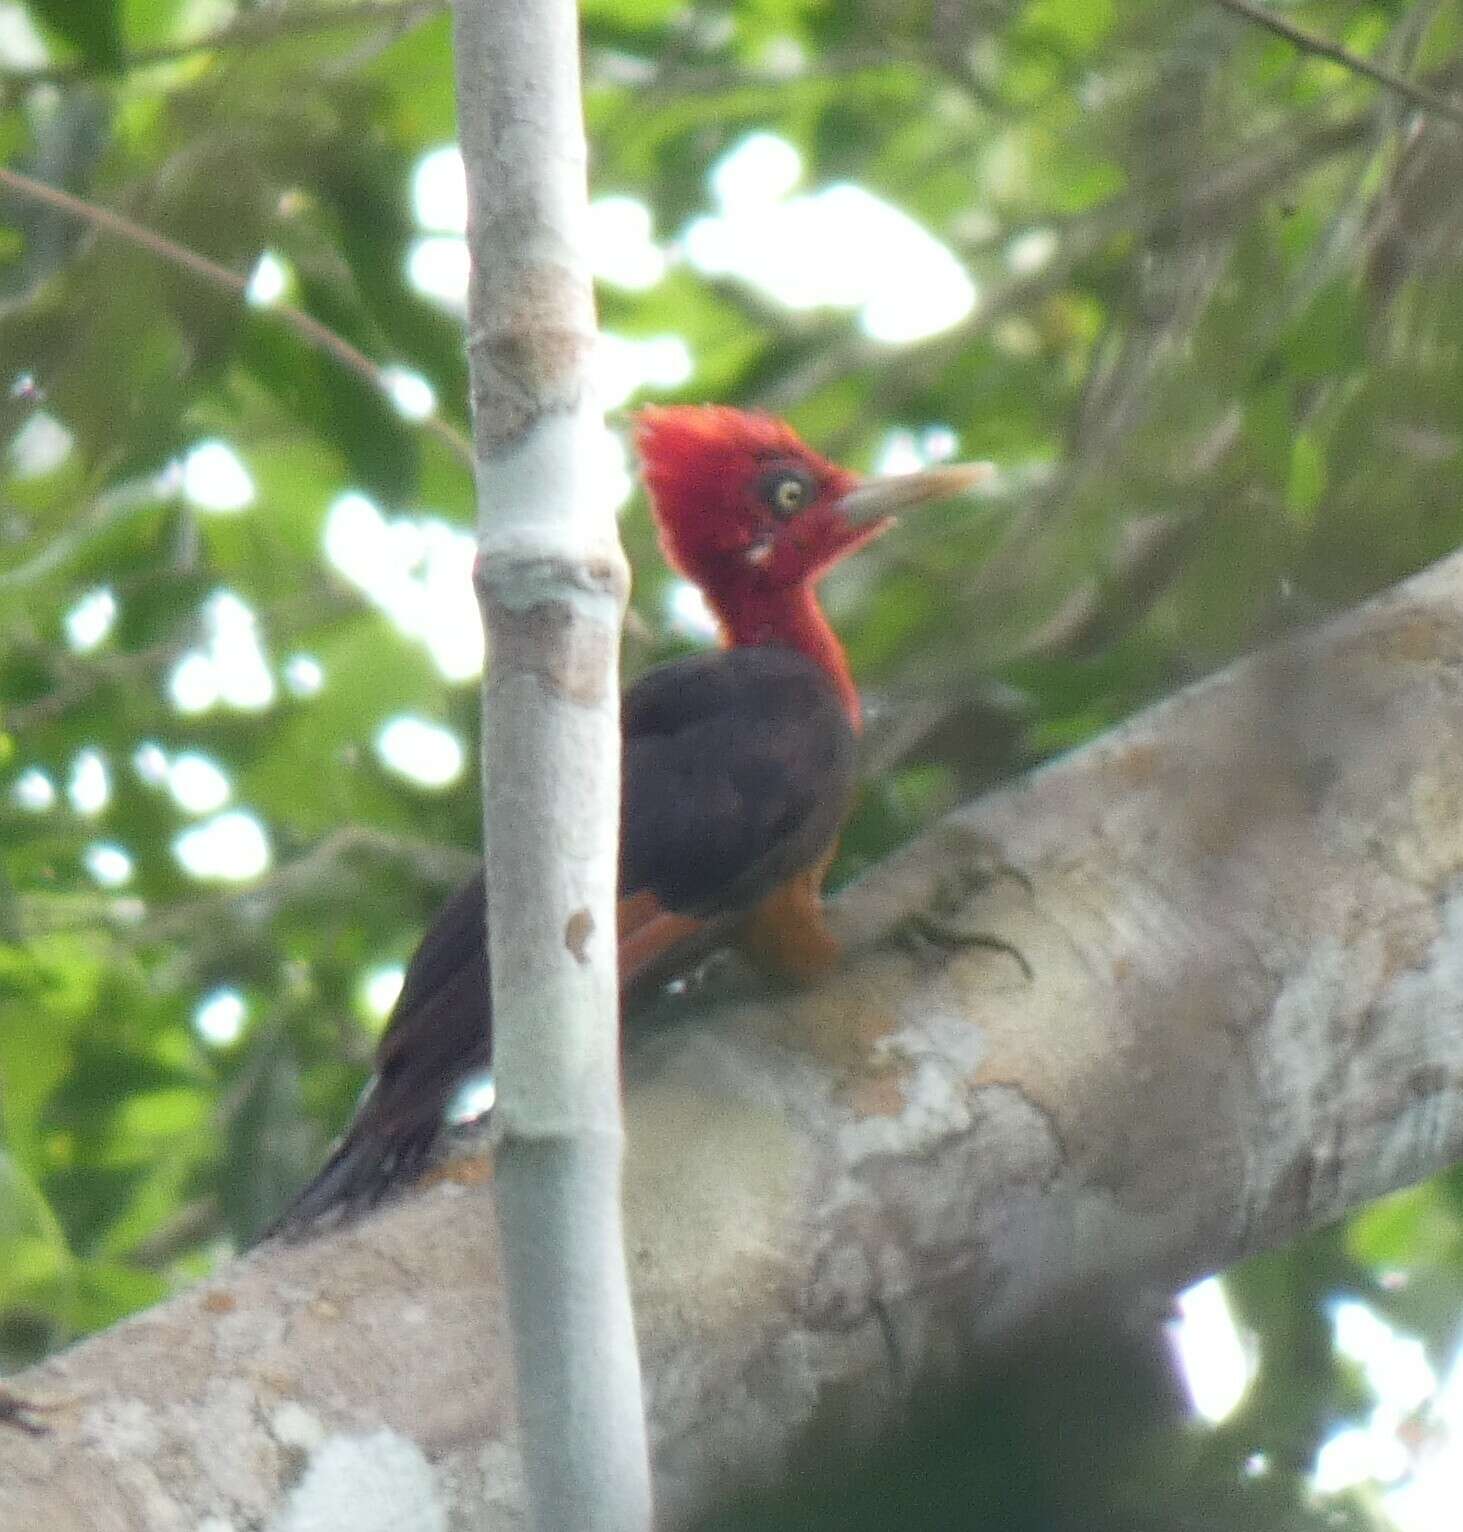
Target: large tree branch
{"x": 1242, "y": 916}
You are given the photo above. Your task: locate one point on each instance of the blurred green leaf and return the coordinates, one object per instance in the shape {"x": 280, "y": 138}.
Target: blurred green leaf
{"x": 92, "y": 27}
{"x": 1410, "y": 1226}
{"x": 33, "y": 1249}
{"x": 1307, "y": 478}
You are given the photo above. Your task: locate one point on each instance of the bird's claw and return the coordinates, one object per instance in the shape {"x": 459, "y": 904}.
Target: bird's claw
{"x": 936, "y": 930}
{"x": 973, "y": 876}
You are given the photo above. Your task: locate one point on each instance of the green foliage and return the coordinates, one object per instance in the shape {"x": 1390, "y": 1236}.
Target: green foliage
{"x": 1217, "y": 353}
{"x": 92, "y": 27}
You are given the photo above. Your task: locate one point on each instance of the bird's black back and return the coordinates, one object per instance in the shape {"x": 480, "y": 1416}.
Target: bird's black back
{"x": 738, "y": 771}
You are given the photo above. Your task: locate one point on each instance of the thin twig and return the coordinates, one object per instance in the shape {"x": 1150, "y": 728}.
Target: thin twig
{"x": 306, "y": 326}
{"x": 304, "y": 877}
{"x": 108, "y": 513}
{"x": 249, "y": 30}
{"x": 1323, "y": 47}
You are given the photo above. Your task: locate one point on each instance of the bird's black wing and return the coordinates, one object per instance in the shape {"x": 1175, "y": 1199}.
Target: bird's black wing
{"x": 739, "y": 767}
{"x": 738, "y": 770}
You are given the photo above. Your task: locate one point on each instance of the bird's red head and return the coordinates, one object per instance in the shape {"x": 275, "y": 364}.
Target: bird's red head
{"x": 754, "y": 516}
{"x": 742, "y": 504}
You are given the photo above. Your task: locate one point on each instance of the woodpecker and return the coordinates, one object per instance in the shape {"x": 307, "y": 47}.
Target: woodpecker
{"x": 738, "y": 769}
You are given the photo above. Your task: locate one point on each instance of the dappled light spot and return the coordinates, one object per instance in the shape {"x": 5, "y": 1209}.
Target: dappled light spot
{"x": 90, "y": 785}
{"x": 220, "y": 1016}
{"x": 473, "y": 1098}
{"x": 1427, "y": 1498}
{"x": 269, "y": 281}
{"x": 33, "y": 790}
{"x": 759, "y": 170}
{"x": 90, "y": 619}
{"x": 439, "y": 191}
{"x": 230, "y": 848}
{"x": 231, "y": 669}
{"x": 688, "y": 612}
{"x": 437, "y": 267}
{"x": 1212, "y": 1356}
{"x": 418, "y": 572}
{"x": 215, "y": 479}
{"x": 379, "y": 989}
{"x": 198, "y": 785}
{"x": 108, "y": 864}
{"x": 841, "y": 247}
{"x": 938, "y": 444}
{"x": 783, "y": 57}
{"x": 304, "y": 675}
{"x": 422, "y": 752}
{"x": 1381, "y": 1450}
{"x": 244, "y": 681}
{"x": 410, "y": 392}
{"x": 906, "y": 452}
{"x": 622, "y": 247}
{"x": 193, "y": 684}
{"x": 899, "y": 454}
{"x": 150, "y": 762}
{"x": 1031, "y": 251}
{"x": 21, "y": 44}
{"x": 622, "y": 367}
{"x": 40, "y": 446}
{"x": 1357, "y": 1455}
{"x": 1394, "y": 1365}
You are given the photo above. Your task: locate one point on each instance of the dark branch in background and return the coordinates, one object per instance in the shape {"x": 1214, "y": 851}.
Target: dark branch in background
{"x": 1334, "y": 250}
{"x": 306, "y": 326}
{"x": 1322, "y": 47}
{"x": 253, "y": 29}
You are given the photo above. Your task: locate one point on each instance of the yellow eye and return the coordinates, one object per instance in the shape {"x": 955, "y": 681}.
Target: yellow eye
{"x": 787, "y": 492}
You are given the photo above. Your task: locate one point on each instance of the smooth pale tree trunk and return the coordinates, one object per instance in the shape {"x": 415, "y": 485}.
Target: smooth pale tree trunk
{"x": 552, "y": 584}
{"x": 1236, "y": 1013}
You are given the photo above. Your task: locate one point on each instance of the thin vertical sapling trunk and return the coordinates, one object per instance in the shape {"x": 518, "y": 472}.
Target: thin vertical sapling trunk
{"x": 552, "y": 583}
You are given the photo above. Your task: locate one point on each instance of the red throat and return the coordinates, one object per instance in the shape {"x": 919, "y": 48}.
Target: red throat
{"x": 794, "y": 618}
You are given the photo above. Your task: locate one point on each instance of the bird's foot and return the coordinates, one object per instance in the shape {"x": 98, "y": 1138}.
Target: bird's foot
{"x": 936, "y": 931}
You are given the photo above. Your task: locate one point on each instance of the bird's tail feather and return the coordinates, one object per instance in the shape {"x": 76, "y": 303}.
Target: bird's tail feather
{"x": 365, "y": 1168}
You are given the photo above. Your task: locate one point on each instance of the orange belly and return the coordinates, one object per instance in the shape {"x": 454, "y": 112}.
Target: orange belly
{"x": 785, "y": 935}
